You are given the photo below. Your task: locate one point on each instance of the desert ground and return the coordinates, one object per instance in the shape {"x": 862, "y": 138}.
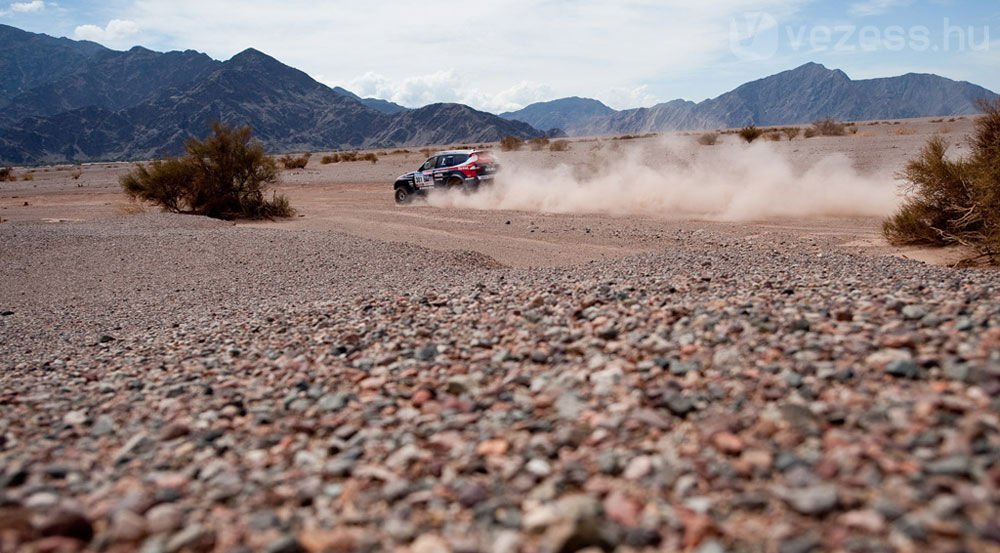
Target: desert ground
{"x": 639, "y": 344}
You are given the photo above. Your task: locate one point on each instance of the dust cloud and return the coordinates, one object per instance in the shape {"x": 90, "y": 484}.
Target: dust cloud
{"x": 676, "y": 178}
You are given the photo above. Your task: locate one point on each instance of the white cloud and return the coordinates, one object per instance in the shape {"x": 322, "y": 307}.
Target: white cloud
{"x": 876, "y": 7}
{"x": 445, "y": 86}
{"x": 28, "y": 7}
{"x": 116, "y": 33}
{"x": 627, "y": 98}
{"x": 494, "y": 55}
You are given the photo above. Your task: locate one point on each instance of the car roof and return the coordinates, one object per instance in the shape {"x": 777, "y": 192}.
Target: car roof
{"x": 455, "y": 152}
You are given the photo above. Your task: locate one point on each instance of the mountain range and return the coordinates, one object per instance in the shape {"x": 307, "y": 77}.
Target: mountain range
{"x": 801, "y": 95}
{"x": 64, "y": 100}
{"x": 74, "y": 101}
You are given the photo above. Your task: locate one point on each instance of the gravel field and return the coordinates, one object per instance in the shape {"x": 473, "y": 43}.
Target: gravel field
{"x": 175, "y": 384}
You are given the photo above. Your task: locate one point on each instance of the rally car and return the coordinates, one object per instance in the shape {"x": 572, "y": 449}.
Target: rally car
{"x": 461, "y": 169}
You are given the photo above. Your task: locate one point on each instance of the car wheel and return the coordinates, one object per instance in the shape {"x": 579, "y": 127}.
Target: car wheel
{"x": 455, "y": 182}
{"x": 403, "y": 195}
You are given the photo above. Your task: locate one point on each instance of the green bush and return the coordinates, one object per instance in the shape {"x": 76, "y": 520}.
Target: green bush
{"x": 224, "y": 176}
{"x": 751, "y": 133}
{"x": 953, "y": 202}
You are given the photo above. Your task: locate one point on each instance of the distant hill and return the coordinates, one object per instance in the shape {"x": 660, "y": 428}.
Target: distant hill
{"x": 800, "y": 95}
{"x": 140, "y": 104}
{"x": 385, "y": 106}
{"x": 565, "y": 113}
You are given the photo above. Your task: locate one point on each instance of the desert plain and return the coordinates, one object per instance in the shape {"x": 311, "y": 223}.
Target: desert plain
{"x": 638, "y": 344}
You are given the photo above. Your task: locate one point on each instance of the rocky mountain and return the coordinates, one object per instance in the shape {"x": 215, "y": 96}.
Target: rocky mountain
{"x": 565, "y": 113}
{"x": 140, "y": 104}
{"x": 801, "y": 95}
{"x": 385, "y": 106}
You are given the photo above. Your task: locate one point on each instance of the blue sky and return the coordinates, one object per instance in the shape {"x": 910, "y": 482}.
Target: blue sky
{"x": 504, "y": 54}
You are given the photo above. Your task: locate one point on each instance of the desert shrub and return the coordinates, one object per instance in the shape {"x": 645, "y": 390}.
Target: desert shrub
{"x": 224, "y": 176}
{"x": 953, "y": 202}
{"x": 905, "y": 131}
{"x": 792, "y": 132}
{"x": 810, "y": 132}
{"x": 29, "y": 176}
{"x": 708, "y": 139}
{"x": 426, "y": 152}
{"x": 75, "y": 174}
{"x": 751, "y": 133}
{"x": 774, "y": 136}
{"x": 829, "y": 127}
{"x": 370, "y": 156}
{"x": 328, "y": 159}
{"x": 538, "y": 143}
{"x": 559, "y": 145}
{"x": 7, "y": 174}
{"x": 288, "y": 161}
{"x": 511, "y": 144}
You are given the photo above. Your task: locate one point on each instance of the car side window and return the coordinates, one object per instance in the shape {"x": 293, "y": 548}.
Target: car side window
{"x": 429, "y": 164}
{"x": 445, "y": 161}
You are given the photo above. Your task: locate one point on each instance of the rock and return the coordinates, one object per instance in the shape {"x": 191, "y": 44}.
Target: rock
{"x": 903, "y": 368}
{"x": 429, "y": 543}
{"x": 638, "y": 468}
{"x": 127, "y": 526}
{"x": 74, "y": 418}
{"x": 67, "y": 523}
{"x": 490, "y": 448}
{"x": 285, "y": 544}
{"x": 914, "y": 312}
{"x": 800, "y": 418}
{"x": 173, "y": 431}
{"x": 104, "y": 425}
{"x": 957, "y": 465}
{"x": 136, "y": 445}
{"x": 538, "y": 467}
{"x": 727, "y": 442}
{"x": 470, "y": 493}
{"x": 569, "y": 524}
{"x": 164, "y": 518}
{"x": 808, "y": 543}
{"x": 677, "y": 404}
{"x": 622, "y": 509}
{"x": 427, "y": 353}
{"x": 193, "y": 539}
{"x": 814, "y": 501}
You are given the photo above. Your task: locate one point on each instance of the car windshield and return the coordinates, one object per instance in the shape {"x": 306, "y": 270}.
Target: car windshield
{"x": 427, "y": 164}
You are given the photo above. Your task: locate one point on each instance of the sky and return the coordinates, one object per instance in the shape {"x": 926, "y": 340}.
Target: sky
{"x": 501, "y": 55}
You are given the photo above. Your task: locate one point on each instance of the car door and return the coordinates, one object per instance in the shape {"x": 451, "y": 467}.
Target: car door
{"x": 444, "y": 163}
{"x": 424, "y": 176}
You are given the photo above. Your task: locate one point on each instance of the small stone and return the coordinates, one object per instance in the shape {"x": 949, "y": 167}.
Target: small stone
{"x": 903, "y": 368}
{"x": 914, "y": 312}
{"x": 957, "y": 465}
{"x": 677, "y": 404}
{"x": 427, "y": 353}
{"x": 808, "y": 543}
{"x": 622, "y": 509}
{"x": 104, "y": 425}
{"x": 67, "y": 523}
{"x": 471, "y": 493}
{"x": 194, "y": 539}
{"x": 638, "y": 468}
{"x": 74, "y": 418}
{"x": 173, "y": 431}
{"x": 127, "y": 526}
{"x": 490, "y": 448}
{"x": 814, "y": 501}
{"x": 136, "y": 445}
{"x": 285, "y": 544}
{"x": 164, "y": 518}
{"x": 538, "y": 467}
{"x": 727, "y": 443}
{"x": 429, "y": 543}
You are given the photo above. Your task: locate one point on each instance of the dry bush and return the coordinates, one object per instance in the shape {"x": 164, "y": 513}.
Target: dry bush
{"x": 370, "y": 156}
{"x": 829, "y": 127}
{"x": 7, "y": 174}
{"x": 559, "y": 145}
{"x": 288, "y": 161}
{"x": 751, "y": 133}
{"x": 511, "y": 144}
{"x": 29, "y": 176}
{"x": 75, "y": 174}
{"x": 953, "y": 202}
{"x": 224, "y": 176}
{"x": 537, "y": 144}
{"x": 709, "y": 139}
{"x": 328, "y": 159}
{"x": 945, "y": 129}
{"x": 774, "y": 136}
{"x": 905, "y": 131}
{"x": 792, "y": 132}
{"x": 426, "y": 152}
